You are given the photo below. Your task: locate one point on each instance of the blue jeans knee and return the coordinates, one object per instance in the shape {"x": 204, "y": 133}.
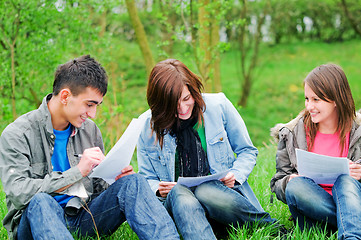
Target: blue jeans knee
{"x": 43, "y": 200}
{"x": 43, "y": 219}
{"x": 182, "y": 198}
{"x": 346, "y": 182}
{"x": 309, "y": 203}
{"x": 188, "y": 213}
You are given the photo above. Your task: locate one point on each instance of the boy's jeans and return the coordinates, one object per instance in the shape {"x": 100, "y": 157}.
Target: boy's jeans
{"x": 128, "y": 199}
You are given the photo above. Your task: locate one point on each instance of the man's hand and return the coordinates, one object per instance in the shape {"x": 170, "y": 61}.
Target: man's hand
{"x": 229, "y": 180}
{"x": 165, "y": 187}
{"x": 90, "y": 158}
{"x": 125, "y": 171}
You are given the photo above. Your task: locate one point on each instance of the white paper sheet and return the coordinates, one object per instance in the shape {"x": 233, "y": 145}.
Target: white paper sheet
{"x": 322, "y": 169}
{"x": 195, "y": 181}
{"x": 121, "y": 154}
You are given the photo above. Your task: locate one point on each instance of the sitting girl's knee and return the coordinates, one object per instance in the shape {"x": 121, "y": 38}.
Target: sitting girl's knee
{"x": 294, "y": 187}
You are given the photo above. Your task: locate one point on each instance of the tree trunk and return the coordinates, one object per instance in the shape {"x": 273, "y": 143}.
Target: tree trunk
{"x": 247, "y": 72}
{"x": 246, "y": 89}
{"x": 351, "y": 19}
{"x": 103, "y": 23}
{"x": 168, "y": 28}
{"x": 217, "y": 85}
{"x": 35, "y": 97}
{"x": 13, "y": 80}
{"x": 10, "y": 41}
{"x": 193, "y": 33}
{"x": 140, "y": 35}
{"x": 204, "y": 44}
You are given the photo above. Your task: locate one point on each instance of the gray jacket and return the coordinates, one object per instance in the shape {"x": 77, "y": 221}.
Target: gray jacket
{"x": 26, "y": 147}
{"x": 292, "y": 135}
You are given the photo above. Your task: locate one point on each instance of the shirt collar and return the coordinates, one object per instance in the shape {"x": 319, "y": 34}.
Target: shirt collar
{"x": 47, "y": 117}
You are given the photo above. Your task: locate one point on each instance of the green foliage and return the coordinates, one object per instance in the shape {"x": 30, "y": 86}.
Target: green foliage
{"x": 277, "y": 92}
{"x": 45, "y": 34}
{"x": 42, "y": 35}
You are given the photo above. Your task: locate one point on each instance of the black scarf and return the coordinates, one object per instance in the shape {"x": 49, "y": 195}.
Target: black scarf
{"x": 191, "y": 158}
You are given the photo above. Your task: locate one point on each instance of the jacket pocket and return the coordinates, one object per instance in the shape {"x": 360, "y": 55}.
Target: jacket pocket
{"x": 218, "y": 147}
{"x": 158, "y": 164}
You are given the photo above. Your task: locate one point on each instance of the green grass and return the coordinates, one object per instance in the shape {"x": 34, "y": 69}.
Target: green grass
{"x": 276, "y": 96}
{"x": 277, "y": 92}
{"x": 259, "y": 181}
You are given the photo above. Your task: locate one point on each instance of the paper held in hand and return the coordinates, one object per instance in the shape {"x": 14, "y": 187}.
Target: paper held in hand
{"x": 121, "y": 154}
{"x": 195, "y": 181}
{"x": 322, "y": 169}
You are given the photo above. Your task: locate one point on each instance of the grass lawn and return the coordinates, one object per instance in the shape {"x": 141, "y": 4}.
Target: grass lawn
{"x": 276, "y": 96}
{"x": 259, "y": 181}
{"x": 277, "y": 92}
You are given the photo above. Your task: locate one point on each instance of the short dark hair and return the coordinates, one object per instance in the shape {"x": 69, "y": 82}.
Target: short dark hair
{"x": 80, "y": 73}
{"x": 165, "y": 86}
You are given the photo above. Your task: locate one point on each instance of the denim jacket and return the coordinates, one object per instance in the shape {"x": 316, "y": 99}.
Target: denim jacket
{"x": 228, "y": 147}
{"x": 26, "y": 147}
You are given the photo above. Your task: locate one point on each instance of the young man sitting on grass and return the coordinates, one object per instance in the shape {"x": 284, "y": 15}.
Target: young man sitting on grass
{"x": 39, "y": 165}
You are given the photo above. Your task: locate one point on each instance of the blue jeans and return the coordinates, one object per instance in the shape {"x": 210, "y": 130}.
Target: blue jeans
{"x": 347, "y": 197}
{"x": 310, "y": 204}
{"x": 190, "y": 208}
{"x": 129, "y": 198}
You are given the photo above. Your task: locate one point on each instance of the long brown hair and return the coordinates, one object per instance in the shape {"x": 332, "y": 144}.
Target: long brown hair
{"x": 330, "y": 84}
{"x": 165, "y": 86}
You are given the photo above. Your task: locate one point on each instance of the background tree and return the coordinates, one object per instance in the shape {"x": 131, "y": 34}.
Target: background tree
{"x": 141, "y": 35}
{"x": 40, "y": 35}
{"x": 285, "y": 17}
{"x": 9, "y": 34}
{"x": 352, "y": 11}
{"x": 30, "y": 34}
{"x": 249, "y": 46}
{"x": 168, "y": 19}
{"x": 208, "y": 39}
{"x": 202, "y": 25}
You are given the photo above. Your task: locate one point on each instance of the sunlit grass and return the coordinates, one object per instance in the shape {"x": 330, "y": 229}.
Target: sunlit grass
{"x": 277, "y": 92}
{"x": 276, "y": 96}
{"x": 259, "y": 181}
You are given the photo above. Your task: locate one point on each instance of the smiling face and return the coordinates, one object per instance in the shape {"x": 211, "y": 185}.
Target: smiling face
{"x": 80, "y": 107}
{"x": 185, "y": 104}
{"x": 322, "y": 112}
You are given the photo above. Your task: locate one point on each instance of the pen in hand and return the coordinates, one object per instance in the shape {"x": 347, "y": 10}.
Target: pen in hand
{"x": 80, "y": 155}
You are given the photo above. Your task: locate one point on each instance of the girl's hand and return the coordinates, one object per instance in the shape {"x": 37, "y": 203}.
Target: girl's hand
{"x": 292, "y": 176}
{"x": 355, "y": 170}
{"x": 165, "y": 187}
{"x": 229, "y": 180}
